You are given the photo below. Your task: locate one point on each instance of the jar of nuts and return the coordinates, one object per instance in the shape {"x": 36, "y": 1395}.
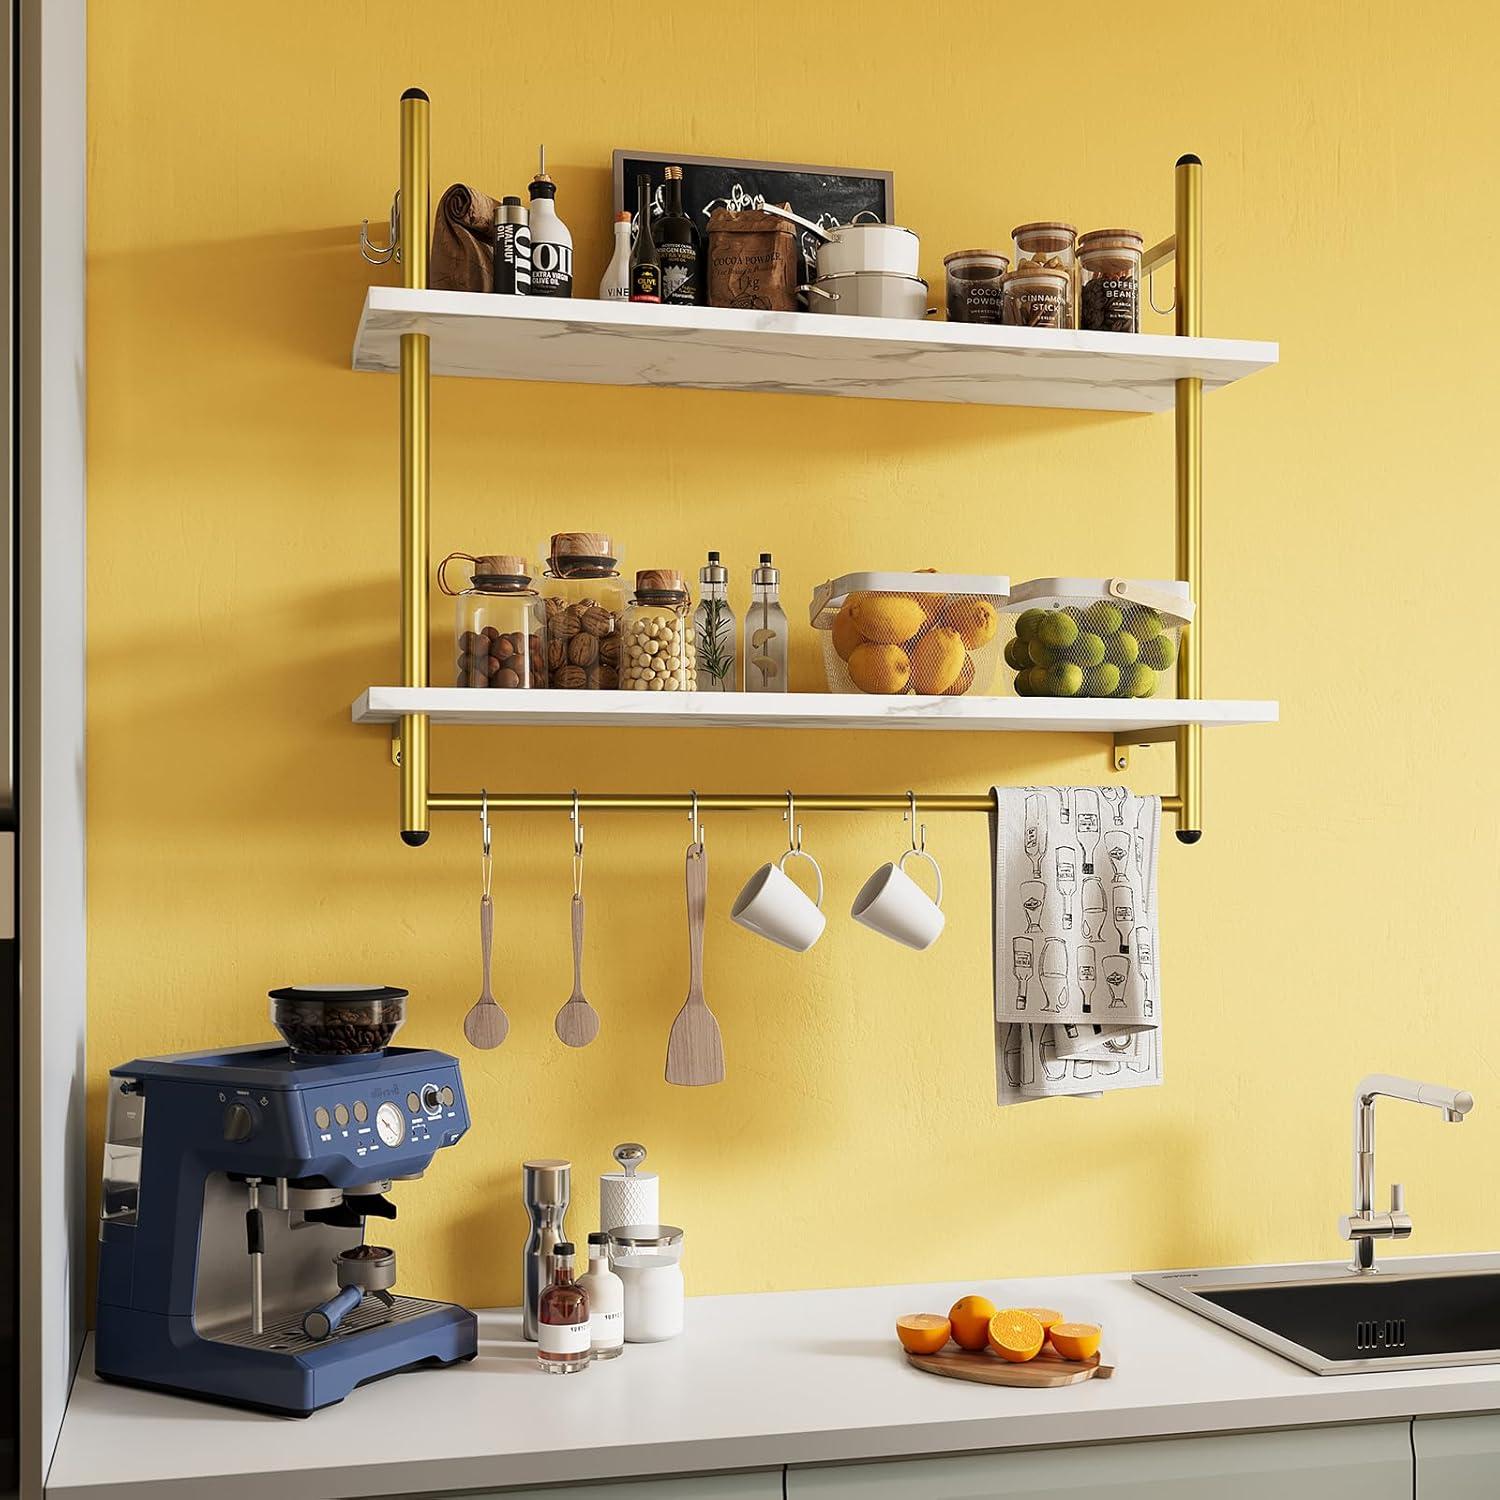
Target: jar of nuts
{"x": 1049, "y": 245}
{"x": 584, "y": 597}
{"x": 659, "y": 651}
{"x": 499, "y": 633}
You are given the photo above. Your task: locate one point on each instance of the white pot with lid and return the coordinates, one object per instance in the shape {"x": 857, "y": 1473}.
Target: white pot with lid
{"x": 864, "y": 245}
{"x": 870, "y": 294}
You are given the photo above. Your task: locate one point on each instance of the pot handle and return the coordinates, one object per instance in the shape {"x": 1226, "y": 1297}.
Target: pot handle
{"x": 786, "y": 213}
{"x": 817, "y": 291}
{"x": 931, "y": 312}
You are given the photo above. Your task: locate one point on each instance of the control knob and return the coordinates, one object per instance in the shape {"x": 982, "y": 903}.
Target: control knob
{"x": 239, "y": 1122}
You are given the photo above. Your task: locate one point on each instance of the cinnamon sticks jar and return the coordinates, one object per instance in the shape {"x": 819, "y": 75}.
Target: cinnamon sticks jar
{"x": 584, "y": 598}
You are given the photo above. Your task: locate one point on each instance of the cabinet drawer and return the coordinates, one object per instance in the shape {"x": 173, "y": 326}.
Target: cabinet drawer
{"x": 762, "y": 1484}
{"x": 1371, "y": 1462}
{"x": 1458, "y": 1458}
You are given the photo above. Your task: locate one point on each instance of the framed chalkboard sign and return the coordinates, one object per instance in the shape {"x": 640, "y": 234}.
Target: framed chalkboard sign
{"x": 826, "y": 195}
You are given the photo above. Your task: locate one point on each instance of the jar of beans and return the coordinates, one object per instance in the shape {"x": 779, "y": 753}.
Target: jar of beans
{"x": 499, "y": 633}
{"x": 659, "y": 653}
{"x": 1037, "y": 298}
{"x": 1049, "y": 244}
{"x": 1109, "y": 262}
{"x": 585, "y": 602}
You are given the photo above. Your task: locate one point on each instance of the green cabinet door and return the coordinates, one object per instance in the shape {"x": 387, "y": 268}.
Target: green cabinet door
{"x": 761, "y": 1484}
{"x": 1370, "y": 1462}
{"x": 1458, "y": 1458}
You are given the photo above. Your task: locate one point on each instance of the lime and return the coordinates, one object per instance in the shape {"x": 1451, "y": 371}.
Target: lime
{"x": 1123, "y": 650}
{"x": 1057, "y": 630}
{"x": 1017, "y": 657}
{"x": 1041, "y": 655}
{"x": 1087, "y": 650}
{"x": 1159, "y": 653}
{"x": 1102, "y": 681}
{"x": 1023, "y": 683}
{"x": 1140, "y": 681}
{"x": 1064, "y": 680}
{"x": 1027, "y": 623}
{"x": 1036, "y": 681}
{"x": 1103, "y": 618}
{"x": 1145, "y": 624}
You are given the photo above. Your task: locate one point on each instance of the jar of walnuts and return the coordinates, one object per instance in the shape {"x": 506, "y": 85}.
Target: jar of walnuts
{"x": 659, "y": 651}
{"x": 499, "y": 634}
{"x": 584, "y": 597}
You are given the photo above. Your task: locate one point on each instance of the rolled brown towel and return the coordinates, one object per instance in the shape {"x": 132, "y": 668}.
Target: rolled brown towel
{"x": 463, "y": 242}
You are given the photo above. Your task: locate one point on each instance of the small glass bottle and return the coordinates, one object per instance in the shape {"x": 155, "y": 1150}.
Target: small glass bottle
{"x": 563, "y": 1317}
{"x": 659, "y": 654}
{"x": 606, "y": 1294}
{"x": 714, "y": 634}
{"x": 765, "y": 632}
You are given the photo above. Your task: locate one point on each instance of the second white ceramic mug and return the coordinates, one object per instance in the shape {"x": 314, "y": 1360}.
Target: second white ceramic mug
{"x": 892, "y": 903}
{"x": 773, "y": 905}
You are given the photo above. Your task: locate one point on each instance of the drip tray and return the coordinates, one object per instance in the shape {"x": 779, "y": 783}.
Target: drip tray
{"x": 285, "y": 1335}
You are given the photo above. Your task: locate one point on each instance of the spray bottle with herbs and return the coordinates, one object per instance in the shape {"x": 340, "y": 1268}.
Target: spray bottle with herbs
{"x": 713, "y": 627}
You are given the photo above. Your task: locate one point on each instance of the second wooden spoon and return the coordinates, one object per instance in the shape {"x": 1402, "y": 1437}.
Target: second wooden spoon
{"x": 577, "y": 1022}
{"x": 486, "y": 1025}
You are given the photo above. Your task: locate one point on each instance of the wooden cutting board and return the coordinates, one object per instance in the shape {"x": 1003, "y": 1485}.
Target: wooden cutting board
{"x": 1047, "y": 1369}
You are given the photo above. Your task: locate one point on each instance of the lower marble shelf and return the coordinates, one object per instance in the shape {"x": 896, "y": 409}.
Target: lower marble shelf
{"x": 384, "y": 705}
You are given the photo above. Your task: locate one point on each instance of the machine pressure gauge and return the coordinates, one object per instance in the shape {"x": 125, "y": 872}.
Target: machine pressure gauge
{"x": 391, "y": 1124}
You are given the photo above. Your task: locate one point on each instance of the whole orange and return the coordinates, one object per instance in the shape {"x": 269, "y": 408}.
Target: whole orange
{"x": 922, "y": 1333}
{"x": 970, "y": 1317}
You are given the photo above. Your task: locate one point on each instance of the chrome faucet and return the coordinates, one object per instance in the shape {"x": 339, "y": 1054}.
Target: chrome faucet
{"x": 1364, "y": 1226}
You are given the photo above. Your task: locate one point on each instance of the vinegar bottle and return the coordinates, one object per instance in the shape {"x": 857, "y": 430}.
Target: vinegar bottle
{"x": 614, "y": 286}
{"x": 563, "y": 1317}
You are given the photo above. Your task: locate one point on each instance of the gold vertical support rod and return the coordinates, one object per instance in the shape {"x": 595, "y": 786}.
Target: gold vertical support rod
{"x": 1189, "y": 418}
{"x": 416, "y": 464}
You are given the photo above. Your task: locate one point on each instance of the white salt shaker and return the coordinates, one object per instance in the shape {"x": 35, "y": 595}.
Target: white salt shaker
{"x": 648, "y": 1259}
{"x": 628, "y": 1196}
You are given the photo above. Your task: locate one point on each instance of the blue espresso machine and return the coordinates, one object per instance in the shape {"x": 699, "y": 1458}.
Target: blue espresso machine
{"x": 234, "y": 1262}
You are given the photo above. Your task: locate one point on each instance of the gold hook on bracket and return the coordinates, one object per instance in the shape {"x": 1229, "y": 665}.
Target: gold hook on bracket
{"x": 575, "y": 817}
{"x": 793, "y": 827}
{"x": 918, "y": 830}
{"x": 697, "y": 821}
{"x": 486, "y": 865}
{"x": 380, "y": 255}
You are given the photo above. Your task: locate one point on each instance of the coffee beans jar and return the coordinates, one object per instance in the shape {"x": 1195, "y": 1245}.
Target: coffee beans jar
{"x": 974, "y": 280}
{"x": 659, "y": 653}
{"x": 584, "y": 598}
{"x": 1049, "y": 244}
{"x": 1109, "y": 262}
{"x": 1037, "y": 298}
{"x": 499, "y": 633}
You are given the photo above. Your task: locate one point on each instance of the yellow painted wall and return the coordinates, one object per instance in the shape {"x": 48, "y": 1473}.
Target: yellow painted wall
{"x": 242, "y": 553}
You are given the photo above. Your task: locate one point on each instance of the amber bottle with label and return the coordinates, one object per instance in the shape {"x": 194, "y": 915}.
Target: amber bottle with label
{"x": 563, "y": 1340}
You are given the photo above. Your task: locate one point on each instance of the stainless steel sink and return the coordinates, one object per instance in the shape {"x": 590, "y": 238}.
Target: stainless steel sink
{"x": 1421, "y": 1313}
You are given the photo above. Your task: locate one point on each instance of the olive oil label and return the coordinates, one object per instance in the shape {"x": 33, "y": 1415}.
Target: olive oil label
{"x": 551, "y": 270}
{"x": 679, "y": 274}
{"x": 645, "y": 284}
{"x": 563, "y": 1338}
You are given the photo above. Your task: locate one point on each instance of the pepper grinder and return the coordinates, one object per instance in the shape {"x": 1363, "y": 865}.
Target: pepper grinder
{"x": 546, "y": 1187}
{"x": 628, "y": 1196}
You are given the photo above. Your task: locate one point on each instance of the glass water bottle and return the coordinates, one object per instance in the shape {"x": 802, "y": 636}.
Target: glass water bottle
{"x": 765, "y": 632}
{"x": 714, "y": 632}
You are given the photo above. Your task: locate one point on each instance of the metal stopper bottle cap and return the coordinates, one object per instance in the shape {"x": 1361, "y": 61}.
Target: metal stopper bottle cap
{"x": 630, "y": 1154}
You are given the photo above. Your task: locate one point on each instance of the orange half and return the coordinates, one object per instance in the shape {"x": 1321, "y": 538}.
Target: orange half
{"x": 1075, "y": 1340}
{"x": 1016, "y": 1335}
{"x": 1046, "y": 1316}
{"x": 923, "y": 1333}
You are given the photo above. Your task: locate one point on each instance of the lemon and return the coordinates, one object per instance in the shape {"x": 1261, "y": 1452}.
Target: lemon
{"x": 1057, "y": 630}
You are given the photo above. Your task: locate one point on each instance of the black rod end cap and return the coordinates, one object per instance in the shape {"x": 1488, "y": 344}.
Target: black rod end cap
{"x": 1182, "y": 161}
{"x": 422, "y": 95}
{"x": 414, "y": 838}
{"x": 1189, "y": 835}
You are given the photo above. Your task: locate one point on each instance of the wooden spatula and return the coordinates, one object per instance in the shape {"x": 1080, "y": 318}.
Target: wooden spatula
{"x": 577, "y": 1022}
{"x": 486, "y": 1025}
{"x": 695, "y": 1050}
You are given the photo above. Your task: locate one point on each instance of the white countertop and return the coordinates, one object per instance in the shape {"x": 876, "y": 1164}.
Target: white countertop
{"x": 757, "y": 1381}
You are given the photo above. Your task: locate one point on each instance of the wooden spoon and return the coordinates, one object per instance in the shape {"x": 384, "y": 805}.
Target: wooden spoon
{"x": 486, "y": 1025}
{"x": 577, "y": 1022}
{"x": 695, "y": 1050}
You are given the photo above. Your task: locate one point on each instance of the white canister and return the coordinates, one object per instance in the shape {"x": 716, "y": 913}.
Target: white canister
{"x": 628, "y": 1196}
{"x": 648, "y": 1259}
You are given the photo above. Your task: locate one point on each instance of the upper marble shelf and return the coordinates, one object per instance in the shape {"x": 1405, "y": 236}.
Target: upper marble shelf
{"x": 726, "y": 349}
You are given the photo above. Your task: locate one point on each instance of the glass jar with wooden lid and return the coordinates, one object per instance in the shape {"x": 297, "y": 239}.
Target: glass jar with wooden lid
{"x": 584, "y": 597}
{"x": 1109, "y": 264}
{"x": 499, "y": 632}
{"x": 659, "y": 655}
{"x": 974, "y": 280}
{"x": 1049, "y": 244}
{"x": 1037, "y": 297}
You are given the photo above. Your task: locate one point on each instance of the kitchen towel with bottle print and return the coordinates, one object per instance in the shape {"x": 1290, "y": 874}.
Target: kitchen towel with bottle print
{"x": 1077, "y": 980}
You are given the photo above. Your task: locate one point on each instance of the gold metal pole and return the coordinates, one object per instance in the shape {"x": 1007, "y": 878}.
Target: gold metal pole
{"x": 416, "y": 464}
{"x": 470, "y": 802}
{"x": 1189, "y": 416}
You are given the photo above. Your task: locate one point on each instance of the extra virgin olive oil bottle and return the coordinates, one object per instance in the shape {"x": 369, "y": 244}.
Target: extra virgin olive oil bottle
{"x": 677, "y": 245}
{"x": 645, "y": 265}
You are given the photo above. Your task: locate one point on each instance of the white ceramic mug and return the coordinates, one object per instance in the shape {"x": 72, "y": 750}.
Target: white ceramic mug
{"x": 773, "y": 905}
{"x": 892, "y": 903}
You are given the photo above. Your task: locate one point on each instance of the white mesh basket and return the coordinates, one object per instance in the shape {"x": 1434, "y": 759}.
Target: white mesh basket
{"x": 1094, "y": 637}
{"x": 930, "y": 633}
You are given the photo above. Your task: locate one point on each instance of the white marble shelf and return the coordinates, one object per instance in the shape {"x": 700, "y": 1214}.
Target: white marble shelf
{"x": 718, "y": 348}
{"x": 383, "y": 705}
